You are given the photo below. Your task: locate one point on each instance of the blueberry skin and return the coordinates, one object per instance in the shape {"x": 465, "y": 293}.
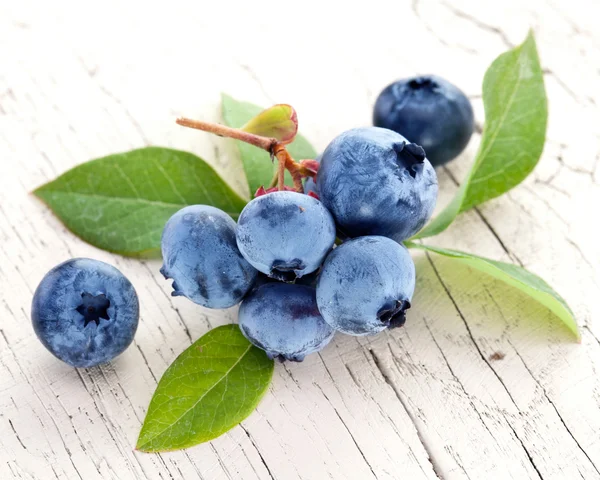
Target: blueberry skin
{"x": 285, "y": 234}
{"x": 366, "y": 286}
{"x": 200, "y": 254}
{"x": 85, "y": 312}
{"x": 375, "y": 182}
{"x": 284, "y": 321}
{"x": 429, "y": 111}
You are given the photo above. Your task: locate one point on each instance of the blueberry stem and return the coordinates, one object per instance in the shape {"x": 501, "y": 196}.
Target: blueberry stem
{"x": 280, "y": 172}
{"x": 287, "y": 162}
{"x": 298, "y": 170}
{"x": 224, "y": 131}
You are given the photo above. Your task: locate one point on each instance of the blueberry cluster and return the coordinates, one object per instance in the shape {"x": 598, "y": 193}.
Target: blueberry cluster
{"x": 295, "y": 286}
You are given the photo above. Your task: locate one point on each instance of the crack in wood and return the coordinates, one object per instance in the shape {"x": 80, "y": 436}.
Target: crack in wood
{"x": 430, "y": 455}
{"x": 350, "y": 434}
{"x": 16, "y": 434}
{"x": 527, "y": 453}
{"x": 434, "y": 33}
{"x": 498, "y": 376}
{"x": 262, "y": 459}
{"x": 529, "y": 456}
{"x": 171, "y": 305}
{"x": 478, "y": 23}
{"x": 554, "y": 408}
{"x": 145, "y": 361}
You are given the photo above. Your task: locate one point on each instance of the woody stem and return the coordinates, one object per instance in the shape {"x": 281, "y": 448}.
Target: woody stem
{"x": 271, "y": 145}
{"x": 261, "y": 142}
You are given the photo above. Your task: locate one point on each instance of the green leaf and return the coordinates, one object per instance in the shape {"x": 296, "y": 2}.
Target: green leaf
{"x": 121, "y": 203}
{"x": 211, "y": 387}
{"x": 515, "y": 276}
{"x": 257, "y": 164}
{"x": 513, "y": 138}
{"x": 279, "y": 122}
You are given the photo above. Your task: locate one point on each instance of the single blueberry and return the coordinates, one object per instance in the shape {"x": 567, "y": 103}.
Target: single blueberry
{"x": 429, "y": 111}
{"x": 284, "y": 321}
{"x": 366, "y": 285}
{"x": 85, "y": 312}
{"x": 375, "y": 182}
{"x": 201, "y": 256}
{"x": 285, "y": 234}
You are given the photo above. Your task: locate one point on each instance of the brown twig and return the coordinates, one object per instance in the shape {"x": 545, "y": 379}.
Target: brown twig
{"x": 276, "y": 149}
{"x": 261, "y": 142}
{"x": 287, "y": 162}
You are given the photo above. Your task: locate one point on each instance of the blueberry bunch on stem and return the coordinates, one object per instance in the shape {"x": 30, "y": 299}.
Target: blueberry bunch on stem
{"x": 370, "y": 189}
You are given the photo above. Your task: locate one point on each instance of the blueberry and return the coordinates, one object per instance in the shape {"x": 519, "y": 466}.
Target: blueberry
{"x": 429, "y": 111}
{"x": 366, "y": 285}
{"x": 375, "y": 182}
{"x": 285, "y": 234}
{"x": 85, "y": 312}
{"x": 284, "y": 321}
{"x": 200, "y": 254}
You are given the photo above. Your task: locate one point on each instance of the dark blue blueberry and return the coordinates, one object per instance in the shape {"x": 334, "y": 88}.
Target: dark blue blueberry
{"x": 285, "y": 234}
{"x": 366, "y": 285}
{"x": 85, "y": 312}
{"x": 284, "y": 321}
{"x": 430, "y": 112}
{"x": 200, "y": 254}
{"x": 375, "y": 182}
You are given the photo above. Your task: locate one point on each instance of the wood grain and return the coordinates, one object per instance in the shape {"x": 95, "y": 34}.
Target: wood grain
{"x": 480, "y": 384}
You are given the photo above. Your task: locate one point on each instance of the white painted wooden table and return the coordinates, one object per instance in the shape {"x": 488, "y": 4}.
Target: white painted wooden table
{"x": 480, "y": 384}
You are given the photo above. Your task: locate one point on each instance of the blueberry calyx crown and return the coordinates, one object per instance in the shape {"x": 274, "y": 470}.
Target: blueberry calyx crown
{"x": 410, "y": 156}
{"x": 93, "y": 308}
{"x": 286, "y": 271}
{"x": 281, "y": 358}
{"x": 176, "y": 291}
{"x": 394, "y": 316}
{"x": 421, "y": 83}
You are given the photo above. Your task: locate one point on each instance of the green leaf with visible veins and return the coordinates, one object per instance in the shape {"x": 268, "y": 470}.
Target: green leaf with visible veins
{"x": 516, "y": 114}
{"x": 515, "y": 276}
{"x": 258, "y": 166}
{"x": 121, "y": 203}
{"x": 211, "y": 387}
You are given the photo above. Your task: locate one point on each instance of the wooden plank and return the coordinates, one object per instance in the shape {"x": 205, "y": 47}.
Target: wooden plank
{"x": 480, "y": 383}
